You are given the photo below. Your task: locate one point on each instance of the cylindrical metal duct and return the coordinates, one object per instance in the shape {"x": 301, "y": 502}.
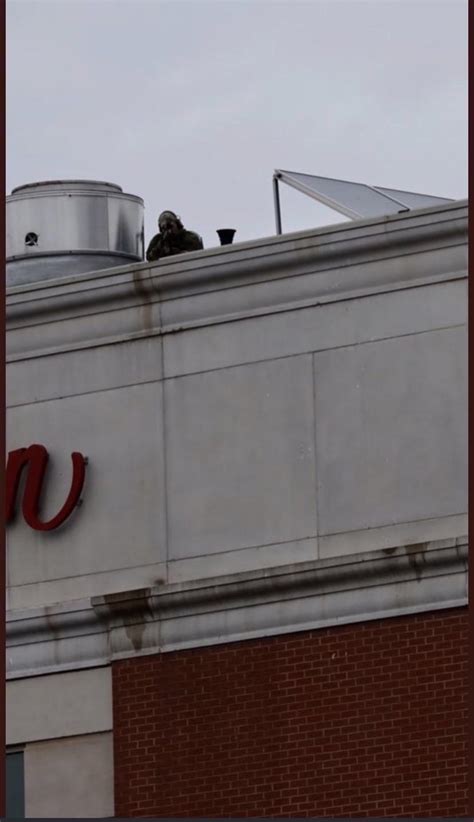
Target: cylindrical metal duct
{"x": 64, "y": 227}
{"x": 226, "y": 235}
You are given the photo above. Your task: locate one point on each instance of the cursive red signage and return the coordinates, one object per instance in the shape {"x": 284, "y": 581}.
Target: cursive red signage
{"x": 35, "y": 458}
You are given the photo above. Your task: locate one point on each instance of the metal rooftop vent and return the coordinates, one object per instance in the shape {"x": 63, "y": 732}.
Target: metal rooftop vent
{"x": 354, "y": 200}
{"x": 58, "y": 228}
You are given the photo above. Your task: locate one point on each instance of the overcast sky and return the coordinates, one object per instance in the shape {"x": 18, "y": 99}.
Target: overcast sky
{"x": 192, "y": 105}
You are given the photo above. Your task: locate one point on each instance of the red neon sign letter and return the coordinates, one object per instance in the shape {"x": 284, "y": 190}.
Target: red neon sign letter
{"x": 36, "y": 457}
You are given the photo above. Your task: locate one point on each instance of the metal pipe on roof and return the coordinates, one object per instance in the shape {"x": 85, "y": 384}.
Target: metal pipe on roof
{"x": 276, "y": 200}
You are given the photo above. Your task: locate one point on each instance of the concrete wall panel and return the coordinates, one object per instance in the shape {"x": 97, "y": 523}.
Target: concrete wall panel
{"x": 121, "y": 521}
{"x": 68, "y": 704}
{"x": 240, "y": 457}
{"x": 316, "y": 328}
{"x": 84, "y": 370}
{"x": 70, "y": 778}
{"x": 391, "y": 421}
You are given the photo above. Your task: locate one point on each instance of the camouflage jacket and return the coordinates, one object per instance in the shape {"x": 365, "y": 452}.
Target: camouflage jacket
{"x": 161, "y": 246}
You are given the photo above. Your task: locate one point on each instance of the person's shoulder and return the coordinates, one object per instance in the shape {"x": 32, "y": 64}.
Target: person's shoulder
{"x": 156, "y": 238}
{"x": 153, "y": 248}
{"x": 193, "y": 236}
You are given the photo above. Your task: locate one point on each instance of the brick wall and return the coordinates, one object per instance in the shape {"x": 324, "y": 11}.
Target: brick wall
{"x": 359, "y": 720}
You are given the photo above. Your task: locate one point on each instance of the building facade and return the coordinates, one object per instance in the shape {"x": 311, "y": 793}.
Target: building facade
{"x": 259, "y": 607}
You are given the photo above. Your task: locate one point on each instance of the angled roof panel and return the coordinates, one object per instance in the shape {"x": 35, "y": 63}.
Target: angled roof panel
{"x": 412, "y": 199}
{"x": 357, "y": 200}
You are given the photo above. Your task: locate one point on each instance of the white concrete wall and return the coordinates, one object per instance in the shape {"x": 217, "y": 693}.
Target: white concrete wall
{"x": 70, "y": 778}
{"x": 59, "y": 705}
{"x": 276, "y": 436}
{"x": 289, "y": 400}
{"x": 64, "y": 724}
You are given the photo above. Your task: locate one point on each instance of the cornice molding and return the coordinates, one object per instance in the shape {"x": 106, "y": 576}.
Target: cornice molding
{"x": 322, "y": 593}
{"x": 284, "y": 271}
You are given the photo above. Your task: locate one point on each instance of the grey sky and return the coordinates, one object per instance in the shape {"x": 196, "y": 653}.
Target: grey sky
{"x": 192, "y": 105}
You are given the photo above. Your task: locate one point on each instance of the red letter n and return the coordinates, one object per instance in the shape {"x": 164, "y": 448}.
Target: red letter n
{"x": 36, "y": 457}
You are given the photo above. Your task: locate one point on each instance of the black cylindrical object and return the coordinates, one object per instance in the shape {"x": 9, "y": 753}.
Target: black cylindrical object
{"x": 226, "y": 235}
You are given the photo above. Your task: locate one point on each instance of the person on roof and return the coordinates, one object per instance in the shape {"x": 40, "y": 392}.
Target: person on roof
{"x": 172, "y": 238}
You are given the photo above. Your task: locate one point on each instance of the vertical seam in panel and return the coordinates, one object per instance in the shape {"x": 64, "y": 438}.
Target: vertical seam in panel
{"x": 315, "y": 456}
{"x": 164, "y": 446}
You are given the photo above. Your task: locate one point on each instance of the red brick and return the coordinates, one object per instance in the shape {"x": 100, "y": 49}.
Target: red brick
{"x": 358, "y": 720}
